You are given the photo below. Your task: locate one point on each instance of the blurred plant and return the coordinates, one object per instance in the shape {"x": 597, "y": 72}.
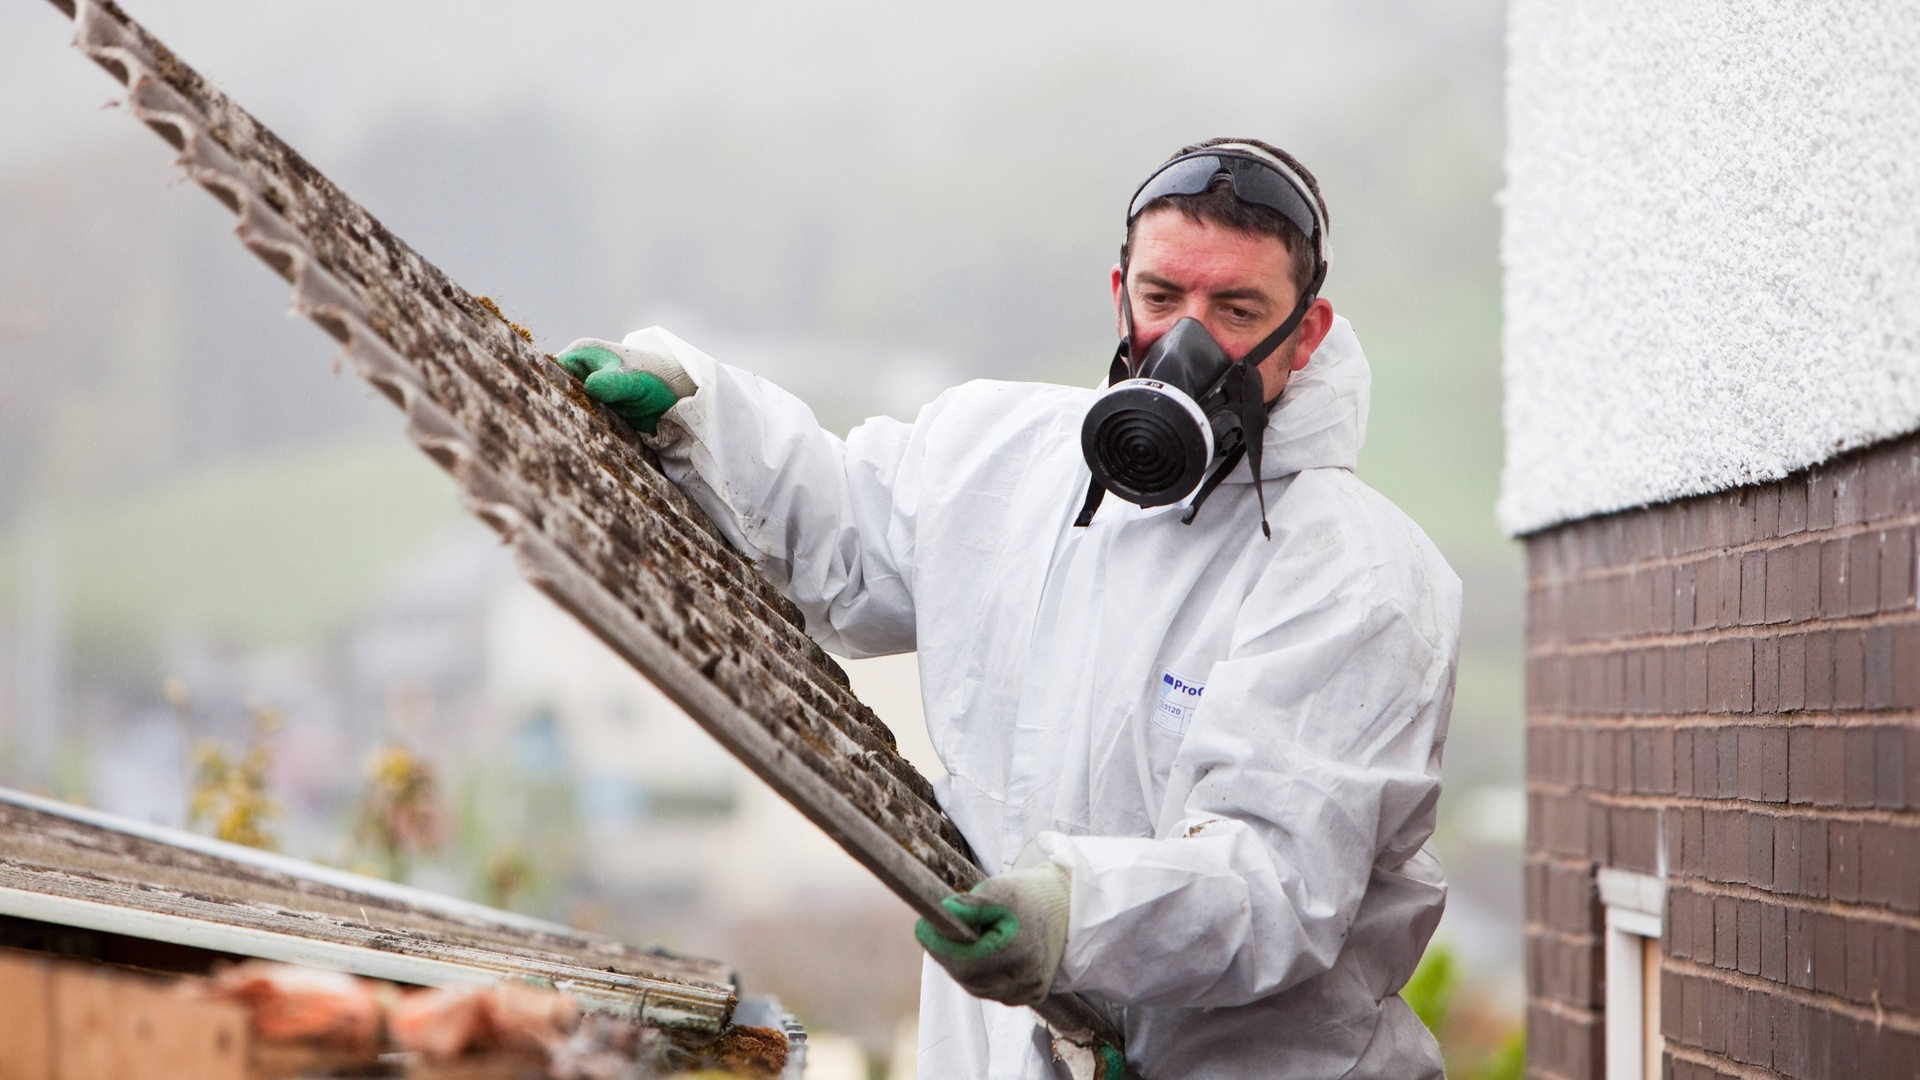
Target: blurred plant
{"x": 401, "y": 814}
{"x": 174, "y": 689}
{"x": 1431, "y": 989}
{"x": 228, "y": 788}
{"x": 1471, "y": 1051}
{"x": 591, "y": 916}
{"x": 509, "y": 874}
{"x": 516, "y": 840}
{"x": 1508, "y": 1062}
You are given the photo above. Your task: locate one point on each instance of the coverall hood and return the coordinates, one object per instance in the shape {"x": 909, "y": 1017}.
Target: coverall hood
{"x": 1320, "y": 420}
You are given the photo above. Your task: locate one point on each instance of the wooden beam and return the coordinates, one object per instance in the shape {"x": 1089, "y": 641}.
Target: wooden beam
{"x": 65, "y": 1021}
{"x": 26, "y": 1017}
{"x": 111, "y": 1026}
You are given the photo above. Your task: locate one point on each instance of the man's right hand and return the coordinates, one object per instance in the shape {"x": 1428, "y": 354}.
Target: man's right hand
{"x": 637, "y": 384}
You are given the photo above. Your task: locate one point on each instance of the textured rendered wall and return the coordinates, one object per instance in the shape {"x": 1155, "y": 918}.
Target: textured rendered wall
{"x": 1711, "y": 244}
{"x": 1726, "y": 689}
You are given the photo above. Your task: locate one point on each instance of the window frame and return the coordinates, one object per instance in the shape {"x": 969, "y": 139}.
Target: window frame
{"x": 1635, "y": 916}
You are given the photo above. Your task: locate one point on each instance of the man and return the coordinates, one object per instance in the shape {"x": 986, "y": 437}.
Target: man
{"x": 1199, "y": 761}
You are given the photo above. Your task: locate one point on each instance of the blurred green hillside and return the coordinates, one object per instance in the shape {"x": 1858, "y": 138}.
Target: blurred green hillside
{"x": 273, "y": 550}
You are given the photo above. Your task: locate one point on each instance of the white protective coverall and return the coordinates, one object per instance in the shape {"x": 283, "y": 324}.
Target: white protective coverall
{"x": 1232, "y": 744}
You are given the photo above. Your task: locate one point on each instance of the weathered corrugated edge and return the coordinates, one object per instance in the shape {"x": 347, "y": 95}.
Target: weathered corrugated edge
{"x": 77, "y": 867}
{"x": 590, "y": 518}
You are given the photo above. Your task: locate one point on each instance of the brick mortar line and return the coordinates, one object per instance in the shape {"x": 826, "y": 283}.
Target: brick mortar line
{"x": 1878, "y": 1017}
{"x": 1693, "y": 1055}
{"x": 1798, "y": 811}
{"x": 1811, "y": 719}
{"x": 1538, "y": 649}
{"x": 1564, "y": 860}
{"x": 1567, "y": 937}
{"x": 1820, "y": 718}
{"x": 1604, "y": 570}
{"x": 1850, "y": 910}
{"x": 1565, "y": 1011}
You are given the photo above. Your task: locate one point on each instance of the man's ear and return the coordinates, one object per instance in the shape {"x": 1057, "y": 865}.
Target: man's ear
{"x": 1119, "y": 323}
{"x": 1314, "y": 326}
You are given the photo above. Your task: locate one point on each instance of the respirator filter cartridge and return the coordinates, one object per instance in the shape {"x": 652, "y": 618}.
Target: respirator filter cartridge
{"x": 1147, "y": 441}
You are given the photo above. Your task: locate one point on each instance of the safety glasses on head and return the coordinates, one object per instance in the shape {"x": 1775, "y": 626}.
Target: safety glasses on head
{"x": 1256, "y": 178}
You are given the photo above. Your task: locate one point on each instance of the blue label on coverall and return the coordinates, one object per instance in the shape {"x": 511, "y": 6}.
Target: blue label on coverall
{"x": 1179, "y": 698}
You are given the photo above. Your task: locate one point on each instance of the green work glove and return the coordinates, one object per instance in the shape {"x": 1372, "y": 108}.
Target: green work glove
{"x": 636, "y": 384}
{"x": 1022, "y": 919}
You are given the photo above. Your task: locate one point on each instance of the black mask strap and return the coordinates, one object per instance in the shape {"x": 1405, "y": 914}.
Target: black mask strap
{"x": 1247, "y": 387}
{"x": 1291, "y": 323}
{"x": 1117, "y": 372}
{"x": 1095, "y": 493}
{"x": 1125, "y": 355}
{"x": 1219, "y": 473}
{"x": 1246, "y": 394}
{"x": 1243, "y": 391}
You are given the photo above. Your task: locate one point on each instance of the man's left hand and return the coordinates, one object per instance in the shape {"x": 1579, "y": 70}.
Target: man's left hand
{"x": 1022, "y": 919}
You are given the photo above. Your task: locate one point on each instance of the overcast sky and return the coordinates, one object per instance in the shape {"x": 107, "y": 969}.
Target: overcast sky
{"x": 321, "y": 71}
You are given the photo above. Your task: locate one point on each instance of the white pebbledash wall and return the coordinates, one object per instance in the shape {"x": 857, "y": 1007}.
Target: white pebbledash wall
{"x": 1712, "y": 245}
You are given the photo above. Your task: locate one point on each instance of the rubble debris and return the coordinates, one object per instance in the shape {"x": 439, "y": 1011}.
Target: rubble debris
{"x": 264, "y": 1021}
{"x": 747, "y": 1051}
{"x": 603, "y": 1048}
{"x": 301, "y": 1004}
{"x": 447, "y": 1022}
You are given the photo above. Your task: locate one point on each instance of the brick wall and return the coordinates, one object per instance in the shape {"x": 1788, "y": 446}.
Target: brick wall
{"x": 1726, "y": 690}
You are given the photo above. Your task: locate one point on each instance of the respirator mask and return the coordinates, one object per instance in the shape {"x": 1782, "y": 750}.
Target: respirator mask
{"x": 1186, "y": 407}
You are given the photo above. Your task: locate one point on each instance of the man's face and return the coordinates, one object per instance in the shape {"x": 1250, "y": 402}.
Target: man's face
{"x": 1240, "y": 286}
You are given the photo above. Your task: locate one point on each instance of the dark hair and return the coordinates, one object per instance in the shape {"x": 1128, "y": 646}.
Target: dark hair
{"x": 1219, "y": 205}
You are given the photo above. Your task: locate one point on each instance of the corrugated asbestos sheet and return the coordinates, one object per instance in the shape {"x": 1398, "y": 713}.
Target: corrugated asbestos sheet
{"x": 592, "y": 521}
{"x": 68, "y": 866}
